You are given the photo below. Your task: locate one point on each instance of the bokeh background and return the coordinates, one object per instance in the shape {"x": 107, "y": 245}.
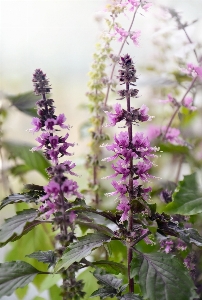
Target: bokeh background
{"x": 59, "y": 37}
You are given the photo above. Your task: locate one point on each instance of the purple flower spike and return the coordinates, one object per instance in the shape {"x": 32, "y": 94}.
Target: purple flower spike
{"x": 53, "y": 146}
{"x": 131, "y": 152}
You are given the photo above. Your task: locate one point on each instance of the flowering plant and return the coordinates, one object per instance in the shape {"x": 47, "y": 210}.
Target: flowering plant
{"x": 143, "y": 248}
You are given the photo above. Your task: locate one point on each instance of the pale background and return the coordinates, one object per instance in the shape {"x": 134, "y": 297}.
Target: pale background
{"x": 59, "y": 37}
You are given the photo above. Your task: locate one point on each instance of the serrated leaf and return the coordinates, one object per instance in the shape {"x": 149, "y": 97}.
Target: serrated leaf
{"x": 108, "y": 280}
{"x": 33, "y": 160}
{"x": 162, "y": 277}
{"x": 28, "y": 197}
{"x": 25, "y": 102}
{"x": 15, "y": 274}
{"x": 130, "y": 296}
{"x": 191, "y": 236}
{"x": 187, "y": 200}
{"x": 98, "y": 227}
{"x": 104, "y": 292}
{"x": 47, "y": 257}
{"x": 82, "y": 248}
{"x": 38, "y": 238}
{"x": 14, "y": 227}
{"x": 111, "y": 266}
{"x": 76, "y": 206}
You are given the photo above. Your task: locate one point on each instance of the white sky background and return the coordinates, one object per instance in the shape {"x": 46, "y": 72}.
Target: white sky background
{"x": 59, "y": 37}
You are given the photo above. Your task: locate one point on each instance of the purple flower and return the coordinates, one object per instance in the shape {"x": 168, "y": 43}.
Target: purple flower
{"x": 181, "y": 245}
{"x": 117, "y": 117}
{"x": 135, "y": 37}
{"x": 60, "y": 121}
{"x": 172, "y": 135}
{"x": 121, "y": 32}
{"x": 72, "y": 216}
{"x": 133, "y": 4}
{"x": 54, "y": 141}
{"x": 146, "y": 6}
{"x": 125, "y": 207}
{"x": 141, "y": 170}
{"x": 167, "y": 245}
{"x": 49, "y": 123}
{"x": 187, "y": 102}
{"x": 143, "y": 116}
{"x": 37, "y": 124}
{"x": 121, "y": 168}
{"x": 69, "y": 187}
{"x": 192, "y": 70}
{"x": 53, "y": 188}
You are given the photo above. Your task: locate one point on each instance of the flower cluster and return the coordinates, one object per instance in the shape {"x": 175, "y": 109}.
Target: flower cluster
{"x": 54, "y": 147}
{"x": 134, "y": 115}
{"x": 192, "y": 70}
{"x": 187, "y": 102}
{"x": 132, "y": 152}
{"x": 171, "y": 135}
{"x": 122, "y": 34}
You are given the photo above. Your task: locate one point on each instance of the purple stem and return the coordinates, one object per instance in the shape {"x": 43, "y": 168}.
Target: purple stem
{"x": 177, "y": 109}
{"x": 130, "y": 217}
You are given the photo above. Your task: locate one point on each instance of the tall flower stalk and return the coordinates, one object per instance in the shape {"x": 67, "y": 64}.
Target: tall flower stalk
{"x": 101, "y": 83}
{"x": 60, "y": 187}
{"x": 133, "y": 153}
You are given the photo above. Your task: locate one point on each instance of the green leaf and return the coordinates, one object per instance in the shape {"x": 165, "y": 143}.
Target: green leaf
{"x": 15, "y": 274}
{"x": 162, "y": 277}
{"x": 80, "y": 206}
{"x": 18, "y": 225}
{"x": 28, "y": 197}
{"x": 33, "y": 160}
{"x": 90, "y": 283}
{"x": 130, "y": 296}
{"x": 111, "y": 266}
{"x": 176, "y": 149}
{"x": 108, "y": 280}
{"x": 55, "y": 293}
{"x": 39, "y": 238}
{"x": 38, "y": 298}
{"x": 82, "y": 248}
{"x": 21, "y": 292}
{"x": 104, "y": 292}
{"x": 25, "y": 102}
{"x": 47, "y": 257}
{"x": 187, "y": 200}
{"x": 98, "y": 227}
{"x": 191, "y": 236}
{"x": 50, "y": 281}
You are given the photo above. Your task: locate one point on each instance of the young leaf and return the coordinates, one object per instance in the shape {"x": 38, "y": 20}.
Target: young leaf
{"x": 33, "y": 160}
{"x": 111, "y": 266}
{"x": 162, "y": 276}
{"x": 130, "y": 296}
{"x": 98, "y": 227}
{"x": 187, "y": 200}
{"x": 104, "y": 292}
{"x": 47, "y": 257}
{"x": 15, "y": 274}
{"x": 191, "y": 236}
{"x": 109, "y": 280}
{"x": 26, "y": 103}
{"x": 14, "y": 227}
{"x": 80, "y": 249}
{"x": 28, "y": 197}
{"x": 80, "y": 206}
